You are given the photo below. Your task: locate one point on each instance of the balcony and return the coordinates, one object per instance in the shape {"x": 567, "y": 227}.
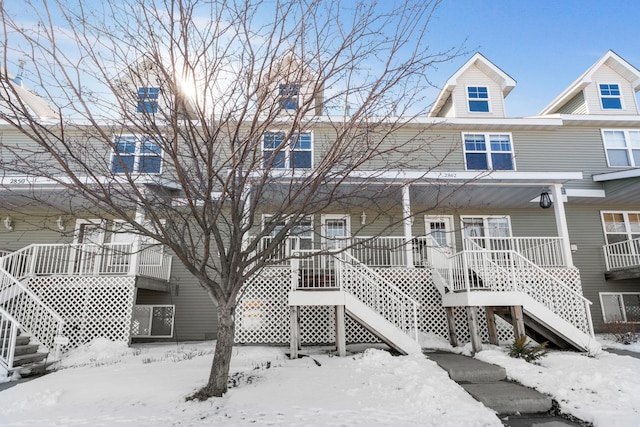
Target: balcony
{"x": 622, "y": 260}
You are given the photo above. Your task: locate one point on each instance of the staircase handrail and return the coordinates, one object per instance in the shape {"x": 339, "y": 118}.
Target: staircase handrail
{"x": 8, "y": 348}
{"x": 11, "y": 288}
{"x": 528, "y": 264}
{"x": 376, "y": 280}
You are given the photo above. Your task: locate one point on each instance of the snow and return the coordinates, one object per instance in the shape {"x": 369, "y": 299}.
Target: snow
{"x": 107, "y": 384}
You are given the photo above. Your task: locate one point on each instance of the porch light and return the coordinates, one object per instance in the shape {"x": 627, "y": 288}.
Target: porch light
{"x": 8, "y": 224}
{"x": 363, "y": 218}
{"x": 60, "y": 223}
{"x": 545, "y": 200}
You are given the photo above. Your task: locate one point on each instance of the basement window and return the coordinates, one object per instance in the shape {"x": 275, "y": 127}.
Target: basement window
{"x": 152, "y": 321}
{"x": 620, "y": 307}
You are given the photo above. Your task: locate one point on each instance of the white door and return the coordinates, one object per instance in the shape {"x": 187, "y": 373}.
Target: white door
{"x": 439, "y": 241}
{"x": 335, "y": 231}
{"x": 88, "y": 242}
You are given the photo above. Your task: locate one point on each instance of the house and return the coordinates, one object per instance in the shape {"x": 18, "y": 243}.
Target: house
{"x": 525, "y": 225}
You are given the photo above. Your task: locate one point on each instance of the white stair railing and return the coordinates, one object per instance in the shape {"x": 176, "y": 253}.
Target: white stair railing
{"x": 8, "y": 334}
{"x": 377, "y": 293}
{"x": 502, "y": 271}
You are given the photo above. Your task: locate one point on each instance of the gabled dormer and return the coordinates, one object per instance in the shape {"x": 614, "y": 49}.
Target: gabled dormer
{"x": 476, "y": 90}
{"x": 145, "y": 90}
{"x": 608, "y": 87}
{"x": 291, "y": 86}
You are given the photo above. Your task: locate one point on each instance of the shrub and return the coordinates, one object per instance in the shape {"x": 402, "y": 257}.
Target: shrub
{"x": 520, "y": 349}
{"x": 623, "y": 332}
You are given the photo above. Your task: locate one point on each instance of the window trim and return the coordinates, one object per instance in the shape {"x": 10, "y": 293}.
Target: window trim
{"x": 619, "y": 295}
{"x": 628, "y": 147}
{"x": 288, "y": 148}
{"x": 152, "y": 306}
{"x": 488, "y": 152}
{"x": 469, "y": 99}
{"x": 603, "y": 97}
{"x": 629, "y": 233}
{"x": 148, "y": 97}
{"x": 137, "y": 155}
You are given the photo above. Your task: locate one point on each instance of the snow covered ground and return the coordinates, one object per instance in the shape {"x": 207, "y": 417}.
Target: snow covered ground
{"x": 106, "y": 384}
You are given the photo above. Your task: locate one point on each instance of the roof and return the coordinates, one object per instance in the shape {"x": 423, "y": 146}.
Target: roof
{"x": 489, "y": 68}
{"x": 611, "y": 59}
{"x": 36, "y": 104}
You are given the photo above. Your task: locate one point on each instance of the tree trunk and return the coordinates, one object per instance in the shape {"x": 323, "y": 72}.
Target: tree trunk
{"x": 218, "y": 377}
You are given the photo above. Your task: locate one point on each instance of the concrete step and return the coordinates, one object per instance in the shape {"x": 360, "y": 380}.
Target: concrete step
{"x": 509, "y": 398}
{"x": 466, "y": 369}
{"x": 21, "y": 340}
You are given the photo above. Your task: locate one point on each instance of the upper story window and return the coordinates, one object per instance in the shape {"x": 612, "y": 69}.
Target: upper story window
{"x": 136, "y": 154}
{"x": 148, "y": 99}
{"x": 296, "y": 152}
{"x": 610, "y": 97}
{"x": 478, "y": 99}
{"x": 488, "y": 151}
{"x": 622, "y": 147}
{"x": 288, "y": 96}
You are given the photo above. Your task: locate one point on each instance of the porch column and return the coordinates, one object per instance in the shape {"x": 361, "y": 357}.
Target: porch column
{"x": 294, "y": 331}
{"x": 135, "y": 244}
{"x": 340, "y": 332}
{"x": 561, "y": 223}
{"x": 407, "y": 220}
{"x": 474, "y": 328}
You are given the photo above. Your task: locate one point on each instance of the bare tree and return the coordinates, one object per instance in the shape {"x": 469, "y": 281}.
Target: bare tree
{"x": 231, "y": 146}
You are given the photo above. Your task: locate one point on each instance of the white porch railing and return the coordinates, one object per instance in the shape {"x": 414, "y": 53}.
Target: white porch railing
{"x": 502, "y": 271}
{"x": 87, "y": 259}
{"x": 623, "y": 254}
{"x": 313, "y": 270}
{"x": 543, "y": 251}
{"x": 8, "y": 334}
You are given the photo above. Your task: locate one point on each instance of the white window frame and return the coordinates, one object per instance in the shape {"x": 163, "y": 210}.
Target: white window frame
{"x": 151, "y": 307}
{"x": 288, "y": 147}
{"x": 620, "y": 301}
{"x": 602, "y": 97}
{"x": 628, "y": 148}
{"x": 266, "y": 217}
{"x": 485, "y": 219}
{"x": 627, "y": 225}
{"x": 137, "y": 155}
{"x": 488, "y": 99}
{"x": 488, "y": 151}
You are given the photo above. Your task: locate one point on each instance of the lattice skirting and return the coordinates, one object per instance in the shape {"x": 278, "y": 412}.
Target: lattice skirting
{"x": 91, "y": 307}
{"x": 262, "y": 316}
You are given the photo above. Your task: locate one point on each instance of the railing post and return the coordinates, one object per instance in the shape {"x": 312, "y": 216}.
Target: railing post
{"x": 295, "y": 272}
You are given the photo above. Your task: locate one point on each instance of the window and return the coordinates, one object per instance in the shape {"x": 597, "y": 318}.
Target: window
{"x": 622, "y": 147}
{"x": 278, "y": 152}
{"x": 497, "y": 154}
{"x": 610, "y": 97}
{"x": 620, "y": 307}
{"x": 621, "y": 226}
{"x": 148, "y": 99}
{"x": 300, "y": 236}
{"x": 289, "y": 96}
{"x": 478, "y": 98}
{"x": 152, "y": 321}
{"x": 136, "y": 154}
{"x": 491, "y": 232}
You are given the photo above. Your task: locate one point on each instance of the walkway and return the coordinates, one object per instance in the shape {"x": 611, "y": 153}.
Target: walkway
{"x": 516, "y": 405}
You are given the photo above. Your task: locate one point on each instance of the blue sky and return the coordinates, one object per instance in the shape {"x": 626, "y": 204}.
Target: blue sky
{"x": 544, "y": 45}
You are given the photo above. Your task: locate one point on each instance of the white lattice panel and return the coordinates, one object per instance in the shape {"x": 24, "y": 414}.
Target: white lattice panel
{"x": 91, "y": 306}
{"x": 263, "y": 315}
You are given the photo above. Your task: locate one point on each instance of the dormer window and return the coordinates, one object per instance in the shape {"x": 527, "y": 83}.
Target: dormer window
{"x": 289, "y": 96}
{"x": 148, "y": 99}
{"x": 610, "y": 97}
{"x": 478, "y": 99}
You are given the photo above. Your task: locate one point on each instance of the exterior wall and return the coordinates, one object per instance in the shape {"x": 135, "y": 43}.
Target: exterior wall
{"x": 474, "y": 77}
{"x": 574, "y": 106}
{"x": 606, "y": 74}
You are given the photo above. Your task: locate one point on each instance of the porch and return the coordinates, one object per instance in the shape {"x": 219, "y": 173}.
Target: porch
{"x": 622, "y": 260}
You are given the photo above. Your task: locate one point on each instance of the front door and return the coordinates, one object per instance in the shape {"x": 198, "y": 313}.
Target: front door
{"x": 439, "y": 232}
{"x": 88, "y": 242}
{"x": 335, "y": 231}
